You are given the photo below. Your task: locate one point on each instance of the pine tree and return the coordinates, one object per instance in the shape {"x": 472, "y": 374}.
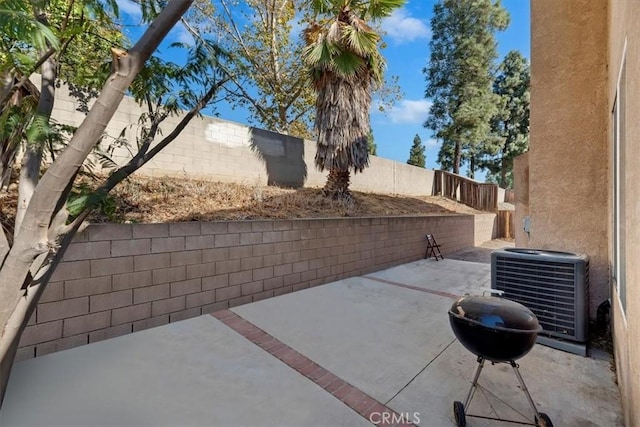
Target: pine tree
{"x": 371, "y": 145}
{"x": 416, "y": 155}
{"x": 460, "y": 76}
{"x": 511, "y": 125}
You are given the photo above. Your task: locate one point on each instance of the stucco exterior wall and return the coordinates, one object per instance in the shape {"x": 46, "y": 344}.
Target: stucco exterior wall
{"x": 568, "y": 154}
{"x": 521, "y": 202}
{"x": 578, "y": 48}
{"x": 624, "y": 17}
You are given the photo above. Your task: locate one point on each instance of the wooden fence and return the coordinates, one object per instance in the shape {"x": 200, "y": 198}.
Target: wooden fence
{"x": 478, "y": 195}
{"x": 509, "y": 196}
{"x": 506, "y": 228}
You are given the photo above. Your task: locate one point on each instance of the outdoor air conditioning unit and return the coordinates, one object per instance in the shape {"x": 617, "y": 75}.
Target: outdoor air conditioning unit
{"x": 554, "y": 286}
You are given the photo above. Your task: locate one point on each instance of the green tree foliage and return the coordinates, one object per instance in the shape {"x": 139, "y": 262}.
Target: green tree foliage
{"x": 266, "y": 73}
{"x": 345, "y": 65}
{"x": 72, "y": 55}
{"x": 165, "y": 89}
{"x": 510, "y": 125}
{"x": 371, "y": 144}
{"x": 416, "y": 154}
{"x": 459, "y": 78}
{"x": 88, "y": 33}
{"x": 21, "y": 35}
{"x": 77, "y": 35}
{"x": 267, "y": 77}
{"x": 29, "y": 257}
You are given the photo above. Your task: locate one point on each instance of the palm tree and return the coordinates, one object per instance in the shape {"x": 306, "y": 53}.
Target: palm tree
{"x": 345, "y": 63}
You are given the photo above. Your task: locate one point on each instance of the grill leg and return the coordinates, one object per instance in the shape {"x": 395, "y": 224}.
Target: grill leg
{"x": 474, "y": 383}
{"x": 514, "y": 365}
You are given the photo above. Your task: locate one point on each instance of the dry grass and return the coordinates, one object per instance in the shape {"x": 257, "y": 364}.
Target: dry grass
{"x": 141, "y": 199}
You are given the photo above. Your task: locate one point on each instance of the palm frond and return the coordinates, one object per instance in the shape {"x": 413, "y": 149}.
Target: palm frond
{"x": 335, "y": 31}
{"x": 345, "y": 63}
{"x": 377, "y": 67}
{"x": 363, "y": 43}
{"x": 319, "y": 54}
{"x": 378, "y": 9}
{"x": 323, "y": 6}
{"x": 348, "y": 65}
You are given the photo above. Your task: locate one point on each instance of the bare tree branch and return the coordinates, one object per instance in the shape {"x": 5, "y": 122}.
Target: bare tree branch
{"x": 142, "y": 157}
{"x": 25, "y": 78}
{"x": 32, "y": 239}
{"x": 237, "y": 36}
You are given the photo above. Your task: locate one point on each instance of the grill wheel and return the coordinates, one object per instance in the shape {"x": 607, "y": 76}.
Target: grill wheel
{"x": 544, "y": 421}
{"x": 458, "y": 412}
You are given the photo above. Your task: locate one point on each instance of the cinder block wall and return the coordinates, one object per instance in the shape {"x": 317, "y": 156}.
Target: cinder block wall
{"x": 219, "y": 150}
{"x": 120, "y": 278}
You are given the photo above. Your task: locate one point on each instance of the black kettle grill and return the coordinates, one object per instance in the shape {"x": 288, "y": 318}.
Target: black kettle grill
{"x": 497, "y": 330}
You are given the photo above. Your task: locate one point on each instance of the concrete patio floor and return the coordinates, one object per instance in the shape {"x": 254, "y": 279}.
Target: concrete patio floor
{"x": 341, "y": 354}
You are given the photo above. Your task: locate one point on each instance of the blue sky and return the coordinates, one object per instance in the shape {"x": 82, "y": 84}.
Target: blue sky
{"x": 407, "y": 53}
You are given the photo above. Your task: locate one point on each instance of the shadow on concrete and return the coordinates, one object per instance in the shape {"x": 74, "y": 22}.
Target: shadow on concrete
{"x": 482, "y": 253}
{"x": 283, "y": 156}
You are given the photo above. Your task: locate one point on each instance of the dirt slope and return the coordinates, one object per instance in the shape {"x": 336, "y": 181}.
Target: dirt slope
{"x": 141, "y": 199}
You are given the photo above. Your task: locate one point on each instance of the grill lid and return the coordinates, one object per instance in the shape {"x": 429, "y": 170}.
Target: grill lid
{"x": 495, "y": 313}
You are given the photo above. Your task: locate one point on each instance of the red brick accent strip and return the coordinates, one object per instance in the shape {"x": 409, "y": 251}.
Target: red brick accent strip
{"x": 365, "y": 405}
{"x": 415, "y": 288}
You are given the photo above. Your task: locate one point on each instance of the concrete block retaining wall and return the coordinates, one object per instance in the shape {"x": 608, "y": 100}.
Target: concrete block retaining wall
{"x": 120, "y": 278}
{"x": 213, "y": 149}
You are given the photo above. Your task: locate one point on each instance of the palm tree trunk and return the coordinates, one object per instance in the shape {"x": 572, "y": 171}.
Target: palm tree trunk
{"x": 337, "y": 185}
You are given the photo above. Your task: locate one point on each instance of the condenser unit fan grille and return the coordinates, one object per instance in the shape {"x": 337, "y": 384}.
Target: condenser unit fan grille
{"x": 553, "y": 285}
{"x": 546, "y": 288}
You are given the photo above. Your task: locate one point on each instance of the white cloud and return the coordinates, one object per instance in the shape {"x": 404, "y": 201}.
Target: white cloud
{"x": 410, "y": 111}
{"x": 130, "y": 8}
{"x": 432, "y": 143}
{"x": 401, "y": 27}
{"x": 180, "y": 34}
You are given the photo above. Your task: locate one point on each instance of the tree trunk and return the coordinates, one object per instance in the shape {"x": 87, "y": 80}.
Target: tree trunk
{"x": 7, "y": 158}
{"x": 10, "y": 145}
{"x": 337, "y": 185}
{"x": 8, "y": 149}
{"x": 503, "y": 173}
{"x": 30, "y": 170}
{"x": 6, "y": 82}
{"x": 42, "y": 225}
{"x": 456, "y": 158}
